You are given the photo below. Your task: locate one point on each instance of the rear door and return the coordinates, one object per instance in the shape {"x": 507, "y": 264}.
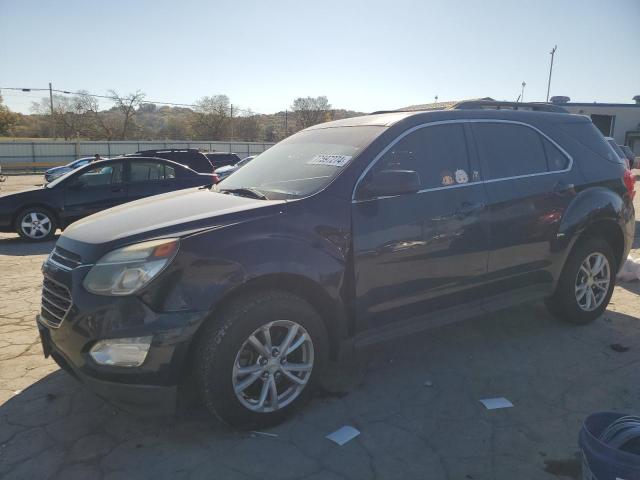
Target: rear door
{"x": 424, "y": 251}
{"x": 147, "y": 177}
{"x": 528, "y": 181}
{"x": 92, "y": 190}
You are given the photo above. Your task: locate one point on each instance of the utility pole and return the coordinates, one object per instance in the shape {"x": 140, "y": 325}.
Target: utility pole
{"x": 552, "y": 52}
{"x": 232, "y": 121}
{"x": 53, "y": 120}
{"x": 524, "y": 84}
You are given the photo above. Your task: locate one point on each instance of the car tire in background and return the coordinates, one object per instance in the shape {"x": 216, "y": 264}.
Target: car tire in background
{"x": 260, "y": 359}
{"x": 586, "y": 283}
{"x": 36, "y": 224}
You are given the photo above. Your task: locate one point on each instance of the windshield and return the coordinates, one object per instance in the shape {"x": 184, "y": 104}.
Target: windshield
{"x": 304, "y": 163}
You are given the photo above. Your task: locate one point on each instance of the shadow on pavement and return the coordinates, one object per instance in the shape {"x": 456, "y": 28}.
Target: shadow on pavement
{"x": 18, "y": 247}
{"x": 414, "y": 399}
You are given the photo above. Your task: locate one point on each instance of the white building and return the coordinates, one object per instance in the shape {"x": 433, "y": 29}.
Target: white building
{"x": 618, "y": 120}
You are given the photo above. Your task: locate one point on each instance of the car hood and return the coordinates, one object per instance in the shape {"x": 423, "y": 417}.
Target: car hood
{"x": 174, "y": 213}
{"x": 33, "y": 192}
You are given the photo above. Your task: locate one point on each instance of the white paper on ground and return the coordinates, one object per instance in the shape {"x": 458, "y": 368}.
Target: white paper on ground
{"x": 343, "y": 435}
{"x": 493, "y": 403}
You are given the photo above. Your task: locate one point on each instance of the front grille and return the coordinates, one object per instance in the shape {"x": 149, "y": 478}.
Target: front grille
{"x": 56, "y": 302}
{"x": 64, "y": 258}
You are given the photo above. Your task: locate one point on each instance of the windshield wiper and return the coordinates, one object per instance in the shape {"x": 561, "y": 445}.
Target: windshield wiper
{"x": 245, "y": 192}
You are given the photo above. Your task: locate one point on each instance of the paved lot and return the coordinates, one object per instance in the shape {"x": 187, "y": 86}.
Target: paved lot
{"x": 415, "y": 401}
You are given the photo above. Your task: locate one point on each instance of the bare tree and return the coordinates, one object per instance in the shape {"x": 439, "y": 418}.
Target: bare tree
{"x": 100, "y": 126}
{"x": 127, "y": 107}
{"x": 311, "y": 111}
{"x": 68, "y": 114}
{"x": 210, "y": 120}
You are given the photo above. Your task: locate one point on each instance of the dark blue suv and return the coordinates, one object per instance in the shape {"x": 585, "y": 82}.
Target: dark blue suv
{"x": 344, "y": 234}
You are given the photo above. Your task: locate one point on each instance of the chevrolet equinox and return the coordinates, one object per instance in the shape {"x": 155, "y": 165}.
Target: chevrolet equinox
{"x": 344, "y": 234}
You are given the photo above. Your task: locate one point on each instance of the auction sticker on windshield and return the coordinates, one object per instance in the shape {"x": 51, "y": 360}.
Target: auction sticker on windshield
{"x": 332, "y": 160}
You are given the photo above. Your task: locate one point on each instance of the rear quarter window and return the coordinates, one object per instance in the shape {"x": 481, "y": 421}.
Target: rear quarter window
{"x": 586, "y": 134}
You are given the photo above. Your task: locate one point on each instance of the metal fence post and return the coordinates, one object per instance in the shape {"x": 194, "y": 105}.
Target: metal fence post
{"x": 108, "y": 149}
{"x": 33, "y": 155}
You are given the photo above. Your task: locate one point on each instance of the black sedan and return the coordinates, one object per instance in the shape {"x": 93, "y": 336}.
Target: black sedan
{"x": 36, "y": 214}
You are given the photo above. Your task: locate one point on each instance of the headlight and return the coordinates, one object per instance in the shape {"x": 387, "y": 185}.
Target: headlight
{"x": 130, "y": 268}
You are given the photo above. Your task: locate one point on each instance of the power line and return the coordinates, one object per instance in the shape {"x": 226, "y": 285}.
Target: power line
{"x": 110, "y": 97}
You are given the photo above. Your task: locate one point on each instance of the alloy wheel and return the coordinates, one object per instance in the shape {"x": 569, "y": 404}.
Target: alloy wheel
{"x": 36, "y": 225}
{"x": 273, "y": 366}
{"x": 592, "y": 281}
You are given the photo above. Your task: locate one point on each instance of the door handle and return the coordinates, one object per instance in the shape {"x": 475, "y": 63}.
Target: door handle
{"x": 116, "y": 189}
{"x": 562, "y": 187}
{"x": 468, "y": 208}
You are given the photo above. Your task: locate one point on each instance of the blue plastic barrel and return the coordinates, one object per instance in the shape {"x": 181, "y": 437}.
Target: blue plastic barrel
{"x": 600, "y": 461}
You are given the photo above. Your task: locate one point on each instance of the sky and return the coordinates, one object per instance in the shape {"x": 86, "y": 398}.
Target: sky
{"x": 363, "y": 55}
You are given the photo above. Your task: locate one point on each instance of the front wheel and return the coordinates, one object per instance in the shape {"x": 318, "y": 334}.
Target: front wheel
{"x": 586, "y": 283}
{"x": 36, "y": 224}
{"x": 261, "y": 359}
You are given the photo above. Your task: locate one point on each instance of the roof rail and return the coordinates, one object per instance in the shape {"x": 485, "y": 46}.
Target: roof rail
{"x": 498, "y": 105}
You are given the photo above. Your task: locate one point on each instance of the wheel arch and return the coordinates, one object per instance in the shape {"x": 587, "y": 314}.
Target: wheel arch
{"x": 332, "y": 312}
{"x": 611, "y": 232}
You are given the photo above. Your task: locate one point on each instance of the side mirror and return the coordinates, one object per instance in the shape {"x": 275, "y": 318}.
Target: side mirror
{"x": 392, "y": 182}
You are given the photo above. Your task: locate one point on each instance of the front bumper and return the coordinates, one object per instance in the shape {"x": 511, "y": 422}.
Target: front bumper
{"x": 147, "y": 400}
{"x": 151, "y": 388}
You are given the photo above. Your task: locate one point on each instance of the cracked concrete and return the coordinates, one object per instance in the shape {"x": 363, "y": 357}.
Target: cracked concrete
{"x": 555, "y": 374}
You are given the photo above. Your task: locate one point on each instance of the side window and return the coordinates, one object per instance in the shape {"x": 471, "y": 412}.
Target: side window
{"x": 98, "y": 176}
{"x": 438, "y": 153}
{"x": 509, "y": 150}
{"x": 146, "y": 171}
{"x": 556, "y": 160}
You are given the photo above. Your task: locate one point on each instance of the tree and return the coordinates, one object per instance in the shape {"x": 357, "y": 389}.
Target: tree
{"x": 7, "y": 118}
{"x": 210, "y": 121}
{"x": 101, "y": 125}
{"x": 68, "y": 114}
{"x": 247, "y": 127}
{"x": 127, "y": 107}
{"x": 311, "y": 111}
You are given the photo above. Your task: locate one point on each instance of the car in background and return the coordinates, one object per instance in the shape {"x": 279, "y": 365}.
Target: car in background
{"x": 620, "y": 154}
{"x": 55, "y": 172}
{"x": 190, "y": 157}
{"x": 222, "y": 159}
{"x": 633, "y": 161}
{"x": 36, "y": 214}
{"x": 224, "y": 172}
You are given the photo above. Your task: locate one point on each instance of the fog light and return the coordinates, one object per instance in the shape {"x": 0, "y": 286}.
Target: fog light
{"x": 121, "y": 352}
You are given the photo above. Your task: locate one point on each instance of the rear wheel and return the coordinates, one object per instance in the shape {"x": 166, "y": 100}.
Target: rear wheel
{"x": 36, "y": 224}
{"x": 261, "y": 359}
{"x": 586, "y": 284}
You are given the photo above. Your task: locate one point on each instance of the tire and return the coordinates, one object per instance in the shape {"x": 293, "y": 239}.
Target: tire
{"x": 224, "y": 347}
{"x": 565, "y": 303}
{"x": 44, "y": 230}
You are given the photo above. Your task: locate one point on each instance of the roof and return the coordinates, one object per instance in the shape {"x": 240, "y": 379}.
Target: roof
{"x": 595, "y": 104}
{"x": 439, "y": 105}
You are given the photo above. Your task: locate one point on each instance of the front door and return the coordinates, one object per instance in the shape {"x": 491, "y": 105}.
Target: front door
{"x": 424, "y": 251}
{"x": 92, "y": 190}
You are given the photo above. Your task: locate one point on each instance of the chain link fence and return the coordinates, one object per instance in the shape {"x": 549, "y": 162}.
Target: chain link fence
{"x": 17, "y": 157}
